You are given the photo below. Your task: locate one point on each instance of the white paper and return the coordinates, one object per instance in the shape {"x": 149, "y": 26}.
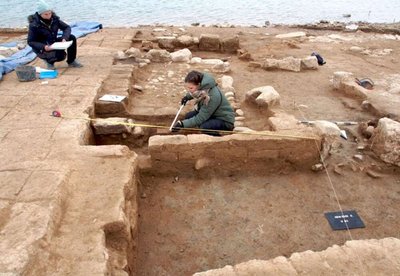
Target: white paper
{"x": 39, "y": 70}
{"x": 61, "y": 45}
{"x": 112, "y": 98}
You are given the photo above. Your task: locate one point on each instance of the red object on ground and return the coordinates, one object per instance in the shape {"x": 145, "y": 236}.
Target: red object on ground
{"x": 56, "y": 113}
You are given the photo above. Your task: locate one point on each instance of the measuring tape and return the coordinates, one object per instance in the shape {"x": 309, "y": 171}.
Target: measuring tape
{"x": 58, "y": 114}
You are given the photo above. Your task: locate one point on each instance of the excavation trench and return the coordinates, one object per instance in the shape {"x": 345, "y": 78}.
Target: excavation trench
{"x": 200, "y": 202}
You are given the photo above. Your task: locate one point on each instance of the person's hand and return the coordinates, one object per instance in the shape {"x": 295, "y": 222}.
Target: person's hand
{"x": 184, "y": 100}
{"x": 178, "y": 125}
{"x": 63, "y": 40}
{"x": 47, "y": 48}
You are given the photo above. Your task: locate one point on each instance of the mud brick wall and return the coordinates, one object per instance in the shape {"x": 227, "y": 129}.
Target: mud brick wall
{"x": 232, "y": 152}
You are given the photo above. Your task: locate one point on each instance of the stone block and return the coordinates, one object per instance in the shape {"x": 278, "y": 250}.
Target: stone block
{"x": 158, "y": 55}
{"x": 167, "y": 140}
{"x": 184, "y": 55}
{"x": 309, "y": 63}
{"x": 111, "y": 126}
{"x": 186, "y": 41}
{"x": 230, "y": 45}
{"x": 109, "y": 108}
{"x": 167, "y": 42}
{"x": 387, "y": 141}
{"x": 209, "y": 42}
{"x": 290, "y": 64}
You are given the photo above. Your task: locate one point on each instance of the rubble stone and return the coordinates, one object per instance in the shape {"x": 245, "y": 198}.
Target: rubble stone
{"x": 225, "y": 67}
{"x": 184, "y": 55}
{"x": 309, "y": 63}
{"x": 291, "y": 35}
{"x": 387, "y": 141}
{"x": 133, "y": 52}
{"x": 158, "y": 55}
{"x": 265, "y": 96}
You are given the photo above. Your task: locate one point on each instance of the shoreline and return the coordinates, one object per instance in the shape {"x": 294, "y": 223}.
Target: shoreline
{"x": 385, "y": 28}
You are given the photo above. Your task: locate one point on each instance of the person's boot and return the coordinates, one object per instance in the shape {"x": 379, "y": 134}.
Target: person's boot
{"x": 49, "y": 66}
{"x": 75, "y": 64}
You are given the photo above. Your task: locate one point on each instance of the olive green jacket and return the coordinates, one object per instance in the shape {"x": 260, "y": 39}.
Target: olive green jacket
{"x": 218, "y": 106}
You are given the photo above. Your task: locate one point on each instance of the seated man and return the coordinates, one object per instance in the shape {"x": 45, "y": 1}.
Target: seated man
{"x": 43, "y": 29}
{"x": 212, "y": 111}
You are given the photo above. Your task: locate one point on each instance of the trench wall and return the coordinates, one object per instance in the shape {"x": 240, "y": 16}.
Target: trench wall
{"x": 232, "y": 152}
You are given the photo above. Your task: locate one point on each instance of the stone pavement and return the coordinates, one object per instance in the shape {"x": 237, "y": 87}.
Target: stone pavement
{"x": 55, "y": 201}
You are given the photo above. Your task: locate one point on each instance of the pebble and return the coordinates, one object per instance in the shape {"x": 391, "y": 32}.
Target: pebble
{"x": 358, "y": 157}
{"x": 171, "y": 74}
{"x": 143, "y": 195}
{"x": 229, "y": 94}
{"x": 317, "y": 167}
{"x": 373, "y": 174}
{"x": 240, "y": 113}
{"x": 138, "y": 87}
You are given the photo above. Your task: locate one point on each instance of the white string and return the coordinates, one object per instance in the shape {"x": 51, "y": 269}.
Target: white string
{"x": 334, "y": 192}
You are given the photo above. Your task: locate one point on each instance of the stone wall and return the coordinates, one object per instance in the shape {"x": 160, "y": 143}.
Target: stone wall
{"x": 369, "y": 257}
{"x": 232, "y": 152}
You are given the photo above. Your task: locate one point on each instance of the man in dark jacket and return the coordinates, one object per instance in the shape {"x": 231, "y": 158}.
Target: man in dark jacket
{"x": 43, "y": 29}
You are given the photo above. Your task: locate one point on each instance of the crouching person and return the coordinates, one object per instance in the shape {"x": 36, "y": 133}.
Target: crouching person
{"x": 43, "y": 29}
{"x": 212, "y": 110}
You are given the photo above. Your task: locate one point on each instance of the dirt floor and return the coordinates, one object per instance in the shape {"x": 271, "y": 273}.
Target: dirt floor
{"x": 202, "y": 222}
{"x": 199, "y": 222}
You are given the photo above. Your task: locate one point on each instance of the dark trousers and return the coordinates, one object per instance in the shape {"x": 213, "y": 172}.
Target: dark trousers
{"x": 60, "y": 55}
{"x": 210, "y": 124}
